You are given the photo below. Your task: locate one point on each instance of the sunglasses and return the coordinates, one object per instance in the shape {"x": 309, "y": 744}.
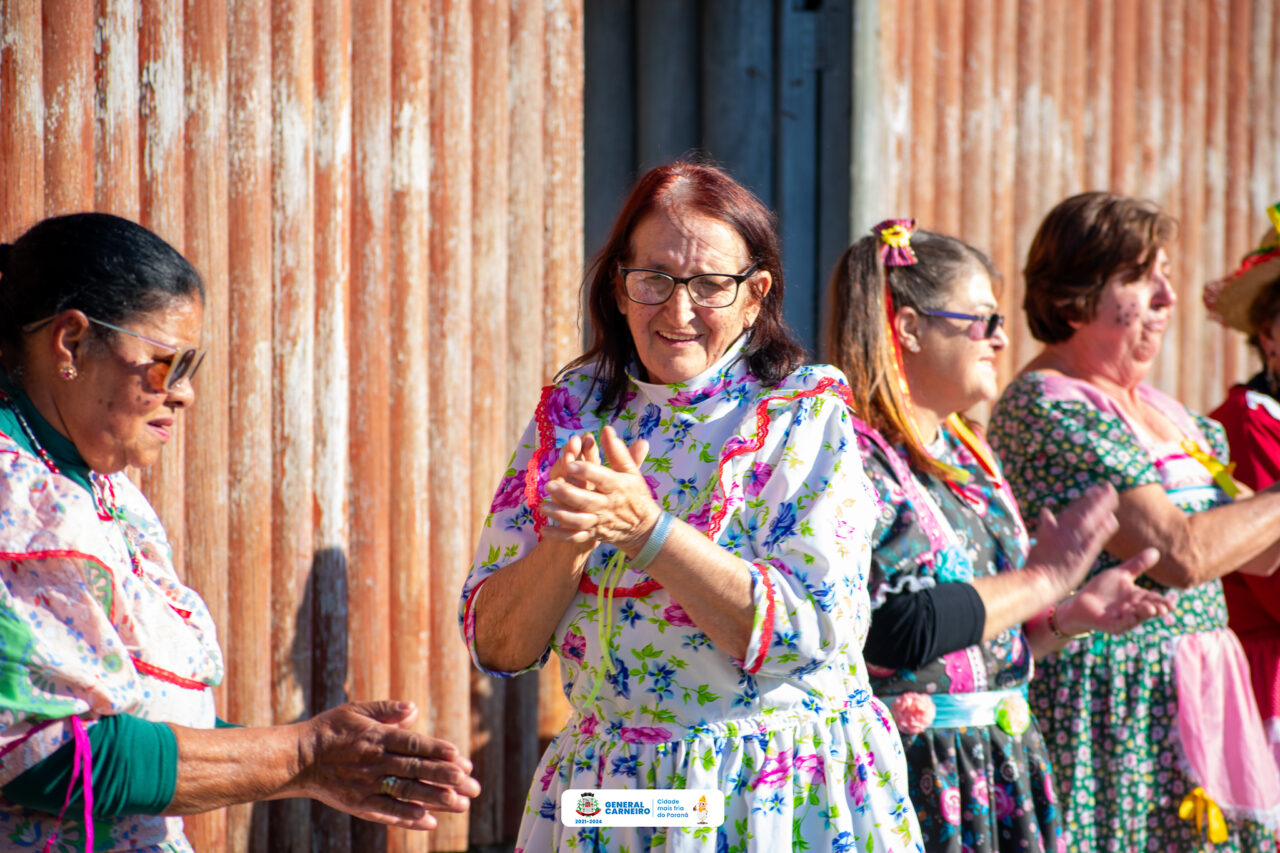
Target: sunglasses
{"x": 981, "y": 326}
{"x": 165, "y": 374}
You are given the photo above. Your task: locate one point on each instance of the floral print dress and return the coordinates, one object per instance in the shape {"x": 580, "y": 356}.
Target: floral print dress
{"x": 792, "y": 736}
{"x": 976, "y": 787}
{"x": 87, "y": 631}
{"x": 1108, "y": 704}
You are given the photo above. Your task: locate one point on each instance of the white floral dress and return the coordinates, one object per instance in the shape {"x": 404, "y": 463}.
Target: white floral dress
{"x": 792, "y": 735}
{"x": 87, "y": 632}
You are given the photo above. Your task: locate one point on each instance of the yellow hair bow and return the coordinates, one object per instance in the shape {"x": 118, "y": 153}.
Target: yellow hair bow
{"x": 1206, "y": 812}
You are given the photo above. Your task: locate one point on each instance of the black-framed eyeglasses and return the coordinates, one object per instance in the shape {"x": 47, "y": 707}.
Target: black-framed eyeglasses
{"x": 161, "y": 374}
{"x": 708, "y": 289}
{"x": 981, "y": 326}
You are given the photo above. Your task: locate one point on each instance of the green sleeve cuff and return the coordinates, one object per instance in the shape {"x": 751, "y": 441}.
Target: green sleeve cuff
{"x": 135, "y": 771}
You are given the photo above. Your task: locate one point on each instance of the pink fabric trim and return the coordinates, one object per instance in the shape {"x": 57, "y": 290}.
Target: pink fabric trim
{"x": 82, "y": 768}
{"x": 469, "y": 616}
{"x": 1223, "y": 741}
{"x": 14, "y": 557}
{"x": 766, "y": 631}
{"x": 959, "y": 668}
{"x": 166, "y": 675}
{"x": 1077, "y": 390}
{"x": 589, "y": 587}
{"x": 546, "y": 444}
{"x": 763, "y": 421}
{"x": 12, "y": 745}
{"x": 910, "y": 485}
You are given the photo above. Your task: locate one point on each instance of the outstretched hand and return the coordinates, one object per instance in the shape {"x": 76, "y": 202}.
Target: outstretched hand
{"x": 1067, "y": 545}
{"x": 592, "y": 503}
{"x": 1112, "y": 601}
{"x": 350, "y": 750}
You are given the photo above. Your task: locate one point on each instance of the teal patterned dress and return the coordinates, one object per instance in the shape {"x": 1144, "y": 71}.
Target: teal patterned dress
{"x": 805, "y": 756}
{"x": 975, "y": 787}
{"x": 1108, "y": 704}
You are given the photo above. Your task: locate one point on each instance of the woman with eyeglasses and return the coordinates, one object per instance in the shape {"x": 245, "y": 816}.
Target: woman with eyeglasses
{"x": 960, "y": 601}
{"x": 108, "y": 660}
{"x": 679, "y": 525}
{"x": 1155, "y": 734}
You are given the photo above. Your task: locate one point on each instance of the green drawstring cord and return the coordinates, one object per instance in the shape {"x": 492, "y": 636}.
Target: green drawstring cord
{"x": 614, "y": 569}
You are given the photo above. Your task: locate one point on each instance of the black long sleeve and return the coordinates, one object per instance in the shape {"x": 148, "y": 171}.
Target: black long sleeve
{"x": 912, "y": 628}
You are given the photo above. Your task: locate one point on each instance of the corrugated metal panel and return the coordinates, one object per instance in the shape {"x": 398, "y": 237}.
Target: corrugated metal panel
{"x": 384, "y": 197}
{"x": 1171, "y": 100}
{"x": 760, "y": 88}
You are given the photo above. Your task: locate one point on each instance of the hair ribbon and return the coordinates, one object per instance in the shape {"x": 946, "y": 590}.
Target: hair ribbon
{"x": 895, "y": 242}
{"x": 896, "y": 251}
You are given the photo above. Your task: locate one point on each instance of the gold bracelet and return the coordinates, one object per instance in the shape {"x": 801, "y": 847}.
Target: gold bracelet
{"x": 1058, "y": 632}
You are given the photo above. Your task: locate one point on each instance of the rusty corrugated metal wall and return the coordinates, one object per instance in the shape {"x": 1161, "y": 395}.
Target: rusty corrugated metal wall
{"x": 977, "y": 116}
{"x": 384, "y": 198}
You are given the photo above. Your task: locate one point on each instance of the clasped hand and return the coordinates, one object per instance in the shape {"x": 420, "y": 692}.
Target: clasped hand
{"x": 1066, "y": 548}
{"x": 589, "y": 503}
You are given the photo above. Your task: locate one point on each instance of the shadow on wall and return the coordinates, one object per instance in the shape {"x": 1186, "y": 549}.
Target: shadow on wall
{"x": 321, "y": 633}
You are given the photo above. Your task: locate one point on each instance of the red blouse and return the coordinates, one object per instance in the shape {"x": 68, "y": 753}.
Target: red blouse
{"x": 1252, "y": 421}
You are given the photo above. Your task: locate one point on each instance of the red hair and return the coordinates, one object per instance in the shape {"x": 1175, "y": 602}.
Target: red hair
{"x": 771, "y": 352}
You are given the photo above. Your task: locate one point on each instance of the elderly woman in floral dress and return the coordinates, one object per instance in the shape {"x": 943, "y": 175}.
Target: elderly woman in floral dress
{"x": 1155, "y": 734}
{"x": 706, "y": 591}
{"x": 959, "y": 602}
{"x": 107, "y": 727}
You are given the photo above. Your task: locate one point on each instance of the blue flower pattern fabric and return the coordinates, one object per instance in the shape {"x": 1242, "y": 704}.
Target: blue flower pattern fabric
{"x": 791, "y": 735}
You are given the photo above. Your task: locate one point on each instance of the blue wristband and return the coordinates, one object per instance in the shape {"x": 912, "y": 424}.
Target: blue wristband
{"x": 657, "y": 538}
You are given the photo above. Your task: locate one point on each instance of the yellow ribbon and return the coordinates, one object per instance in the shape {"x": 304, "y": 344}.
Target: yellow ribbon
{"x": 1205, "y": 811}
{"x": 976, "y": 446}
{"x": 1220, "y": 473}
{"x": 1273, "y": 212}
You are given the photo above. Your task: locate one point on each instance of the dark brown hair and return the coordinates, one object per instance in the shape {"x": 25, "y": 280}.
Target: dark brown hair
{"x": 108, "y": 267}
{"x": 858, "y": 339}
{"x": 1081, "y": 245}
{"x": 1263, "y": 309}
{"x": 771, "y": 352}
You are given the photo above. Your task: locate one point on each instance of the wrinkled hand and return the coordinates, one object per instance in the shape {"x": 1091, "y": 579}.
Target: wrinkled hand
{"x": 597, "y": 504}
{"x": 1067, "y": 545}
{"x": 348, "y": 750}
{"x": 1111, "y": 601}
{"x": 577, "y": 448}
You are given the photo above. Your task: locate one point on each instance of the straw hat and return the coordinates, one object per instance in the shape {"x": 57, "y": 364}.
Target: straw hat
{"x": 1229, "y": 299}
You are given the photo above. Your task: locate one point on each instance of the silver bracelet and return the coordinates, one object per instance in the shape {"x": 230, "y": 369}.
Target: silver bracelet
{"x": 657, "y": 538}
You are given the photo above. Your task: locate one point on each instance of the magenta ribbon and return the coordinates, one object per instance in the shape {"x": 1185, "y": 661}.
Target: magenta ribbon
{"x": 82, "y": 767}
